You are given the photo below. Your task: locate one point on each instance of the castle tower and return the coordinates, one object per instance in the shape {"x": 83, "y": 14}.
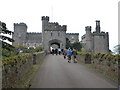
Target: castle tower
{"x": 89, "y": 41}
{"x": 45, "y": 20}
{"x": 20, "y": 30}
{"x": 97, "y": 26}
{"x": 101, "y": 40}
{"x": 53, "y": 34}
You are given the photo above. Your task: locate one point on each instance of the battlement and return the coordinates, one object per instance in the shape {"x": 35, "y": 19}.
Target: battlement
{"x": 100, "y": 34}
{"x": 55, "y": 26}
{"x": 72, "y": 33}
{"x": 53, "y": 23}
{"x": 83, "y": 37}
{"x": 34, "y": 33}
{"x": 97, "y": 22}
{"x": 64, "y": 27}
{"x": 20, "y": 24}
{"x": 88, "y": 28}
{"x": 45, "y": 18}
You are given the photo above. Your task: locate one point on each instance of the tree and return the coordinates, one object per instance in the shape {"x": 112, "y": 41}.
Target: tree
{"x": 77, "y": 46}
{"x": 117, "y": 49}
{"x": 68, "y": 44}
{"x": 4, "y": 39}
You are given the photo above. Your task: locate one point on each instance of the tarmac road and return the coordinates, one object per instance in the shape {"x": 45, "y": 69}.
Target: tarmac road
{"x": 56, "y": 72}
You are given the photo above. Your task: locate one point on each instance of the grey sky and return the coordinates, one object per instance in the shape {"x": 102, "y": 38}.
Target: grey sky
{"x": 76, "y": 14}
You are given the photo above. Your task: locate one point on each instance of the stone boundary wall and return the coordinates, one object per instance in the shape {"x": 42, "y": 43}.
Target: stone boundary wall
{"x": 104, "y": 62}
{"x": 15, "y": 68}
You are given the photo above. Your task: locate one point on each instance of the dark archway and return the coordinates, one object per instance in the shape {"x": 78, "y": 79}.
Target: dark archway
{"x": 55, "y": 43}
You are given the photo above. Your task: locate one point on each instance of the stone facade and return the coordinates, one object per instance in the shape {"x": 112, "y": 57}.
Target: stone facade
{"x": 53, "y": 35}
{"x": 96, "y": 42}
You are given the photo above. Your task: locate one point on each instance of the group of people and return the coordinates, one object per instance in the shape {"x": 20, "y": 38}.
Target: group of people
{"x": 70, "y": 53}
{"x": 56, "y": 51}
{"x": 67, "y": 53}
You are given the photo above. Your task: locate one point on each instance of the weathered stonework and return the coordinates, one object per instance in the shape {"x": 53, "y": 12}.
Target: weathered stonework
{"x": 52, "y": 34}
{"x": 13, "y": 72}
{"x": 96, "y": 42}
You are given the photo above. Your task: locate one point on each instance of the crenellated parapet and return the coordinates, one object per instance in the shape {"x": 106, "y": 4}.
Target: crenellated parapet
{"x": 33, "y": 33}
{"x": 54, "y": 26}
{"x": 102, "y": 33}
{"x": 72, "y": 33}
{"x": 88, "y": 28}
{"x": 20, "y": 24}
{"x": 53, "y": 23}
{"x": 83, "y": 37}
{"x": 45, "y": 18}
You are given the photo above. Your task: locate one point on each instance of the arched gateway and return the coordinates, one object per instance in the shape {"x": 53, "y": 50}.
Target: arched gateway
{"x": 53, "y": 34}
{"x": 55, "y": 44}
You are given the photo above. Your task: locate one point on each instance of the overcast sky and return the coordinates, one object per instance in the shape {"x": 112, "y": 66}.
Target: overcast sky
{"x": 76, "y": 14}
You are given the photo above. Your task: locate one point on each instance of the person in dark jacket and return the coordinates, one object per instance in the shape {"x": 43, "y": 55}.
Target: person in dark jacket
{"x": 74, "y": 53}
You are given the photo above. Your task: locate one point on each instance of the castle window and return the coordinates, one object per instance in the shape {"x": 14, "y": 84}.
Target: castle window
{"x": 104, "y": 37}
{"x": 58, "y": 34}
{"x": 51, "y": 33}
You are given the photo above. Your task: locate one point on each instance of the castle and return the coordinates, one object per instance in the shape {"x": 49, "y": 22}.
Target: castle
{"x": 53, "y": 35}
{"x": 96, "y": 42}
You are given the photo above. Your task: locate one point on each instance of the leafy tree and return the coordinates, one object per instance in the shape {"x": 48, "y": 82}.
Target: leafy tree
{"x": 77, "y": 46}
{"x": 68, "y": 44}
{"x": 117, "y": 49}
{"x": 5, "y": 46}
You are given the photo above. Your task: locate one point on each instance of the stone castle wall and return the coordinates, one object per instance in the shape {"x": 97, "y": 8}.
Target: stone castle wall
{"x": 33, "y": 38}
{"x": 96, "y": 42}
{"x": 101, "y": 43}
{"x": 73, "y": 37}
{"x": 52, "y": 33}
{"x": 106, "y": 63}
{"x": 16, "y": 68}
{"x": 54, "y": 37}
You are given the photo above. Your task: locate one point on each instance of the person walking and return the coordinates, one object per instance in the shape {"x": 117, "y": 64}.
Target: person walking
{"x": 69, "y": 53}
{"x": 53, "y": 51}
{"x": 64, "y": 54}
{"x": 56, "y": 51}
{"x": 59, "y": 51}
{"x": 74, "y": 53}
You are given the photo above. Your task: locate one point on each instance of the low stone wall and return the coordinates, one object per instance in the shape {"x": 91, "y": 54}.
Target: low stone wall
{"x": 16, "y": 67}
{"x": 104, "y": 62}
{"x": 86, "y": 58}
